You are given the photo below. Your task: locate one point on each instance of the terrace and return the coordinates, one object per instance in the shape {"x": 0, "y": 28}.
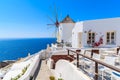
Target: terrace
{"x": 98, "y": 66}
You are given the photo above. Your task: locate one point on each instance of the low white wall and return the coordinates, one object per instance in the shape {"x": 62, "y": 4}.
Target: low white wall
{"x": 68, "y": 71}
{"x": 31, "y": 69}
{"x": 50, "y": 63}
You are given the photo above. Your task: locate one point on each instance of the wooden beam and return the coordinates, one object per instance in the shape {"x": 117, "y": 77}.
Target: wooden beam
{"x": 78, "y": 51}
{"x": 94, "y": 52}
{"x": 68, "y": 52}
{"x": 96, "y": 71}
{"x": 118, "y": 50}
{"x": 77, "y": 60}
{"x": 98, "y": 61}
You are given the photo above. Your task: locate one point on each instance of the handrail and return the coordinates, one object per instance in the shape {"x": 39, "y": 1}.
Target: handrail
{"x": 96, "y": 63}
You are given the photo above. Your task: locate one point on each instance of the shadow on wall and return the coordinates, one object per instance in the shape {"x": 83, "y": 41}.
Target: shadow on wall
{"x": 69, "y": 71}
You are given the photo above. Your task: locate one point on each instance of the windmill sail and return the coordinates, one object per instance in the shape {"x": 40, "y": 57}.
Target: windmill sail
{"x": 55, "y": 22}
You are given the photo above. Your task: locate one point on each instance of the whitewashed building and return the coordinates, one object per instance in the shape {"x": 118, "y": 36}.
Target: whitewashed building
{"x": 65, "y": 30}
{"x": 96, "y": 33}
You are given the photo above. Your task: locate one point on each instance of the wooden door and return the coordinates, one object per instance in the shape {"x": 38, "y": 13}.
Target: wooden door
{"x": 79, "y": 39}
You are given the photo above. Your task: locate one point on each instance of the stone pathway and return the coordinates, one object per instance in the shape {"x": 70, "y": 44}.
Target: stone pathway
{"x": 44, "y": 72}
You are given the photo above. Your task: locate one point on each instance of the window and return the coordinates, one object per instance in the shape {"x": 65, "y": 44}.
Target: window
{"x": 110, "y": 38}
{"x": 91, "y": 38}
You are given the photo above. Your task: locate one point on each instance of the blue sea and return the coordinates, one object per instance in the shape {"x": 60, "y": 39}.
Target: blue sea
{"x": 12, "y": 49}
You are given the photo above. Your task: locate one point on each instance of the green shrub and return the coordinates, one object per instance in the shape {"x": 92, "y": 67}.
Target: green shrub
{"x": 60, "y": 79}
{"x": 12, "y": 78}
{"x": 23, "y": 72}
{"x": 19, "y": 76}
{"x": 52, "y": 78}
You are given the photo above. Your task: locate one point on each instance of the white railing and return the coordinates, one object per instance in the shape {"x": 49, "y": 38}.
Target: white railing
{"x": 32, "y": 68}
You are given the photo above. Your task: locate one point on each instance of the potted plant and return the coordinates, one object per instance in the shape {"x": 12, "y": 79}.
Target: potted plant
{"x": 60, "y": 79}
{"x": 52, "y": 78}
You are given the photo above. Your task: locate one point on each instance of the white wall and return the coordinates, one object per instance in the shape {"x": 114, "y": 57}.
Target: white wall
{"x": 31, "y": 69}
{"x": 17, "y": 68}
{"x": 78, "y": 28}
{"x": 65, "y": 30}
{"x": 68, "y": 71}
{"x": 50, "y": 63}
{"x": 102, "y": 26}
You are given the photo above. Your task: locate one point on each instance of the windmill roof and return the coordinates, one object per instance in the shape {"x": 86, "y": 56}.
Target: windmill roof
{"x": 67, "y": 19}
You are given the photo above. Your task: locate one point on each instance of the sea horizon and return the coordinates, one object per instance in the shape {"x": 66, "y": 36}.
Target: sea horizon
{"x": 15, "y": 48}
{"x": 27, "y": 38}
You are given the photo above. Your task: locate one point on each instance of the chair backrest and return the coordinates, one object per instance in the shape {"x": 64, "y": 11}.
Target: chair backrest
{"x": 118, "y": 49}
{"x": 96, "y": 56}
{"x": 110, "y": 60}
{"x": 88, "y": 53}
{"x": 82, "y": 51}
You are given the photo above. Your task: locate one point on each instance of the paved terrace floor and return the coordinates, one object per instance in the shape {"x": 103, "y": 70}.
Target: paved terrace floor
{"x": 44, "y": 72}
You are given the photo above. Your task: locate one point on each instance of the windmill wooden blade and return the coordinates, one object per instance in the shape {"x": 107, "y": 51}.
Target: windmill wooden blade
{"x": 50, "y": 27}
{"x": 52, "y": 11}
{"x": 55, "y": 21}
{"x": 51, "y": 24}
{"x": 55, "y": 32}
{"x": 51, "y": 19}
{"x": 56, "y": 13}
{"x": 60, "y": 15}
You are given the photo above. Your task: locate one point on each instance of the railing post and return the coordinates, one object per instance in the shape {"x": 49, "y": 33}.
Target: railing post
{"x": 118, "y": 50}
{"x": 78, "y": 57}
{"x": 96, "y": 62}
{"x": 68, "y": 52}
{"x": 92, "y": 53}
{"x": 96, "y": 71}
{"x": 77, "y": 60}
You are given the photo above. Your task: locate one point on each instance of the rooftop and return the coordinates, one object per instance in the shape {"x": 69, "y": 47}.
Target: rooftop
{"x": 67, "y": 19}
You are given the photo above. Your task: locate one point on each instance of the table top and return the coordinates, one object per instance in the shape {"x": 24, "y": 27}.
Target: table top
{"x": 116, "y": 74}
{"x": 109, "y": 51}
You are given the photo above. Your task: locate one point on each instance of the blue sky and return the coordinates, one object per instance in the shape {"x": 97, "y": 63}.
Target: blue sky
{"x": 28, "y": 18}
